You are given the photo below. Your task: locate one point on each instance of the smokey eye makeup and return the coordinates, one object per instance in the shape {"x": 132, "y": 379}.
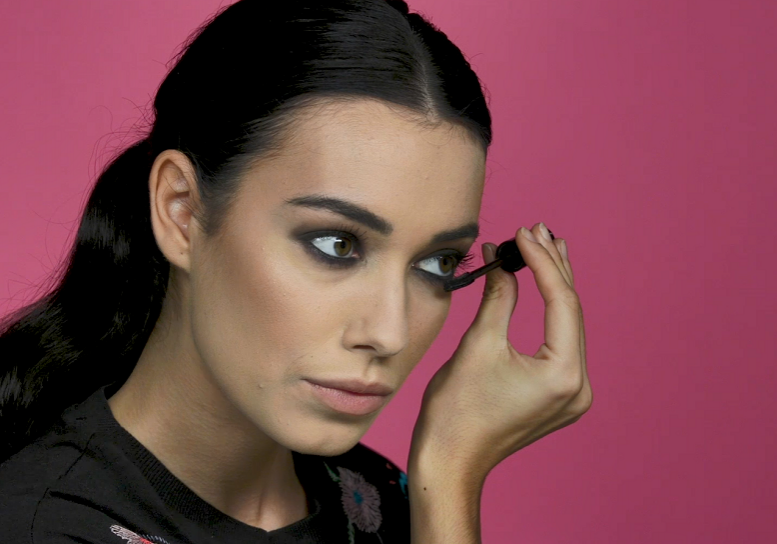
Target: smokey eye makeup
{"x": 335, "y": 248}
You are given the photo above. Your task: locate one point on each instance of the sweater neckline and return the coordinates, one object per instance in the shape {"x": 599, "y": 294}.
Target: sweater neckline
{"x": 176, "y": 495}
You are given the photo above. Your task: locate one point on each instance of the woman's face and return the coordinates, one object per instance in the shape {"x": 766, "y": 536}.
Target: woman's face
{"x": 326, "y": 274}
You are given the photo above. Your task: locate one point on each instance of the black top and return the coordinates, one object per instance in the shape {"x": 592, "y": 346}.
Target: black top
{"x": 89, "y": 481}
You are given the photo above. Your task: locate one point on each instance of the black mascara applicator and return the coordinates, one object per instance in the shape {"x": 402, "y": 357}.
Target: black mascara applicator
{"x": 507, "y": 256}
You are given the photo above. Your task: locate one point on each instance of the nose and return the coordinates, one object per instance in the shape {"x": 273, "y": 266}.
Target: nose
{"x": 380, "y": 321}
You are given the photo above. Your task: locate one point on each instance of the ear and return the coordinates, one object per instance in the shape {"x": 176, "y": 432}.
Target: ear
{"x": 173, "y": 195}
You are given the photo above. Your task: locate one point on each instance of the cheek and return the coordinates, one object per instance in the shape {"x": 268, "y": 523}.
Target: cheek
{"x": 250, "y": 323}
{"x": 261, "y": 318}
{"x": 427, "y": 320}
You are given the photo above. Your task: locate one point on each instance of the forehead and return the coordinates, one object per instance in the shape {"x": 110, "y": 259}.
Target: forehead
{"x": 381, "y": 156}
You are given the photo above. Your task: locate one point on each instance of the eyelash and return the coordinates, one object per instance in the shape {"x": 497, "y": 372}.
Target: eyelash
{"x": 355, "y": 234}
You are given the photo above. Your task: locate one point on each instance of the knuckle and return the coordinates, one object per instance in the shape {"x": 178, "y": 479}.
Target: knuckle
{"x": 588, "y": 396}
{"x": 584, "y": 401}
{"x": 567, "y": 384}
{"x": 570, "y": 297}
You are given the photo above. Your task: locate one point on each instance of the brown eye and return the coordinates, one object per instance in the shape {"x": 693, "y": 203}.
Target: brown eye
{"x": 343, "y": 247}
{"x": 447, "y": 264}
{"x": 335, "y": 246}
{"x": 442, "y": 265}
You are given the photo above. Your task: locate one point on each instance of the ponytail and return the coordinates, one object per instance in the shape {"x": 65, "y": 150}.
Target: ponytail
{"x": 90, "y": 329}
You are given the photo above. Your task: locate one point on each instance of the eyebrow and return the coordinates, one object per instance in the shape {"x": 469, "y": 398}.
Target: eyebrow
{"x": 362, "y": 215}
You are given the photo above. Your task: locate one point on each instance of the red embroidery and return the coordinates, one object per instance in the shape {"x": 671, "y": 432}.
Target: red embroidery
{"x": 129, "y": 536}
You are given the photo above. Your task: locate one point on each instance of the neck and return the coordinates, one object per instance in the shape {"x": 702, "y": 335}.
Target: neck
{"x": 172, "y": 406}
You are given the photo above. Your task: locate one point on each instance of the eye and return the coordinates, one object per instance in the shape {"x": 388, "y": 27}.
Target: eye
{"x": 335, "y": 245}
{"x": 442, "y": 265}
{"x": 335, "y": 248}
{"x": 338, "y": 248}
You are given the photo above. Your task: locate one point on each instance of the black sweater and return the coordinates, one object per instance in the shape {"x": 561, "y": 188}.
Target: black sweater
{"x": 89, "y": 481}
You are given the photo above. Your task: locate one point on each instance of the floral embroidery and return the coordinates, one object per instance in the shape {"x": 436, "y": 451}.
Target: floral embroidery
{"x": 403, "y": 483}
{"x": 134, "y": 538}
{"x": 361, "y": 502}
{"x": 402, "y": 478}
{"x": 129, "y": 536}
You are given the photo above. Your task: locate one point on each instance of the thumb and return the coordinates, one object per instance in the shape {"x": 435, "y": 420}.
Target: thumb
{"x": 500, "y": 296}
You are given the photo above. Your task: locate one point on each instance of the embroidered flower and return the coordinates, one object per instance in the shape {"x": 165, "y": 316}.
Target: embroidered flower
{"x": 403, "y": 483}
{"x": 129, "y": 536}
{"x": 361, "y": 501}
{"x": 134, "y": 538}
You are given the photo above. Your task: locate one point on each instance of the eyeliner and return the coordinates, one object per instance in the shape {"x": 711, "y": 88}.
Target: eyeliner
{"x": 508, "y": 257}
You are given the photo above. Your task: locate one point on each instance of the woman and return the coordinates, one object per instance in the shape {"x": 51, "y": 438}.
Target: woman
{"x": 254, "y": 280}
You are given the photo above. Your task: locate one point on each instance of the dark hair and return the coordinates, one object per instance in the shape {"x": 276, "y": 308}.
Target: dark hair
{"x": 229, "y": 96}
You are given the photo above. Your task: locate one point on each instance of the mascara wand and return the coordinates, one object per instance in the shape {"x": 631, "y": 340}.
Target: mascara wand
{"x": 508, "y": 256}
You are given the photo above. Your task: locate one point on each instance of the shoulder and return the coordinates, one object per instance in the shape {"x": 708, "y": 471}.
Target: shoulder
{"x": 30, "y": 479}
{"x": 50, "y": 490}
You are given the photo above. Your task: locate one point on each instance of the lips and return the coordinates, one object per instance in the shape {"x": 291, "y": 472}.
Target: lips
{"x": 355, "y": 386}
{"x": 353, "y": 397}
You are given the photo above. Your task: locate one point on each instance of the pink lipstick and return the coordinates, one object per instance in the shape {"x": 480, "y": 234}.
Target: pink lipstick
{"x": 351, "y": 396}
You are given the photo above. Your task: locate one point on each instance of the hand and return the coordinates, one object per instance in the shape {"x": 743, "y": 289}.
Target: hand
{"x": 488, "y": 401}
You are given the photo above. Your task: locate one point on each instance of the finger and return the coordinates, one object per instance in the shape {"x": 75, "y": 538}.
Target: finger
{"x": 542, "y": 234}
{"x": 500, "y": 295}
{"x": 568, "y": 265}
{"x": 582, "y": 345}
{"x": 562, "y": 327}
{"x": 561, "y": 244}
{"x": 565, "y": 256}
{"x": 564, "y": 251}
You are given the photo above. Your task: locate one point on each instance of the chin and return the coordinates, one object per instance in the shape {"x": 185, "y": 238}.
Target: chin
{"x": 327, "y": 440}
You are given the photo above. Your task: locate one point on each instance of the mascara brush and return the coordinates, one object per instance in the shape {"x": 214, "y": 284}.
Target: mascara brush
{"x": 508, "y": 257}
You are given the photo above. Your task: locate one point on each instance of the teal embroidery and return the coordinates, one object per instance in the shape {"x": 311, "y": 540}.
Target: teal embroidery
{"x": 403, "y": 483}
{"x": 332, "y": 474}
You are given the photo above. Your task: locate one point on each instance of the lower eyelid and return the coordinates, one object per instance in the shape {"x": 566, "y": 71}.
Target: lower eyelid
{"x": 341, "y": 262}
{"x": 434, "y": 278}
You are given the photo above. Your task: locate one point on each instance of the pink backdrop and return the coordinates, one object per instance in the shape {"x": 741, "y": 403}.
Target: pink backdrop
{"x": 642, "y": 131}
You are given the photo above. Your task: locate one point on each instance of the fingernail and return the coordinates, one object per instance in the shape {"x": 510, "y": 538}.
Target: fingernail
{"x": 564, "y": 249}
{"x": 488, "y": 253}
{"x": 527, "y": 234}
{"x": 491, "y": 252}
{"x": 545, "y": 232}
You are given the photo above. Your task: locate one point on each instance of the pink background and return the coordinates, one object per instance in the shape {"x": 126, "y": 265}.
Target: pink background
{"x": 642, "y": 131}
